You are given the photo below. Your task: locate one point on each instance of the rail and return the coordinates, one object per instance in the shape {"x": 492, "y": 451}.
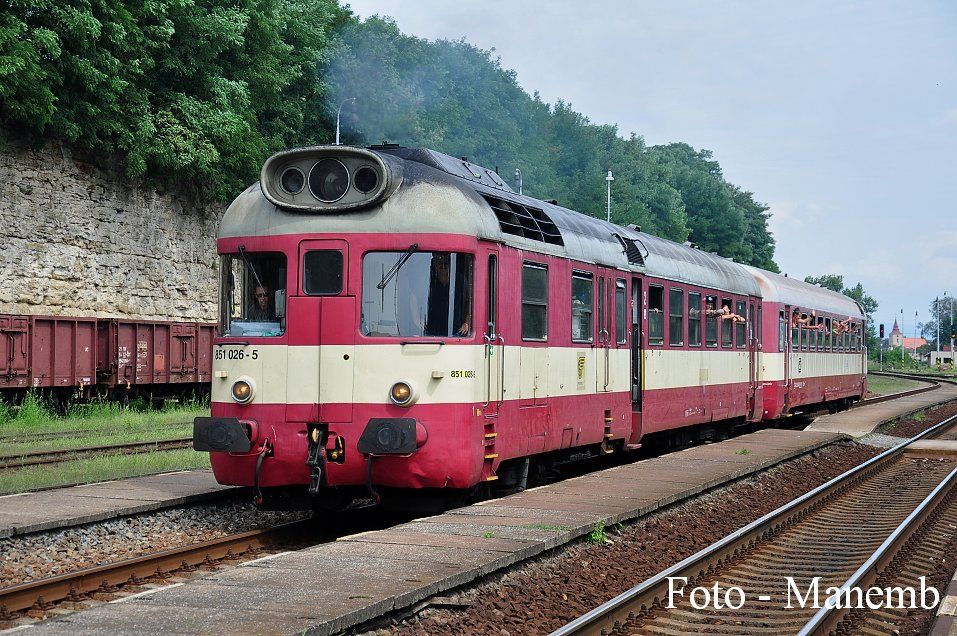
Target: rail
{"x": 646, "y": 594}
{"x": 73, "y": 585}
{"x": 40, "y": 458}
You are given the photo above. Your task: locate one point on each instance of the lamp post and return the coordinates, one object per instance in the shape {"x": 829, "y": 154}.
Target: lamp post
{"x": 338, "y": 113}
{"x": 951, "y": 326}
{"x": 608, "y": 180}
{"x": 518, "y": 179}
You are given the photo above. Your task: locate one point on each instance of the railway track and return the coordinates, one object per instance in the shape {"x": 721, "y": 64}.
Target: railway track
{"x": 880, "y": 523}
{"x": 44, "y": 436}
{"x": 80, "y": 585}
{"x": 40, "y": 458}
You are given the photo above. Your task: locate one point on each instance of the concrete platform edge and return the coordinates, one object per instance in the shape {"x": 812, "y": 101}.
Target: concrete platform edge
{"x": 464, "y": 577}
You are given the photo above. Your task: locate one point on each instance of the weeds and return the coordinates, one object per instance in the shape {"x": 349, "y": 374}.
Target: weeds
{"x": 920, "y": 416}
{"x": 743, "y": 451}
{"x": 598, "y": 534}
{"x": 488, "y": 535}
{"x": 93, "y": 469}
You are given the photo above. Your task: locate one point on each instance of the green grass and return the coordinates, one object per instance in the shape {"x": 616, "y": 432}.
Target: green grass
{"x": 94, "y": 469}
{"x": 884, "y": 385}
{"x": 488, "y": 535}
{"x": 90, "y": 425}
{"x": 743, "y": 451}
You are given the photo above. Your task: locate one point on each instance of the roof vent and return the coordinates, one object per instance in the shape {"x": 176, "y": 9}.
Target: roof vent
{"x": 635, "y": 257}
{"x": 633, "y": 226}
{"x": 520, "y": 220}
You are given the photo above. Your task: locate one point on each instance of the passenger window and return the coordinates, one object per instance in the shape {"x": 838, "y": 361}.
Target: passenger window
{"x": 711, "y": 321}
{"x": 621, "y": 310}
{"x": 416, "y": 294}
{"x": 726, "y": 331}
{"x": 827, "y": 334}
{"x": 694, "y": 319}
{"x": 534, "y": 301}
{"x": 676, "y": 327}
{"x": 740, "y": 328}
{"x": 656, "y": 315}
{"x": 804, "y": 339}
{"x": 583, "y": 290}
{"x": 782, "y": 330}
{"x": 322, "y": 273}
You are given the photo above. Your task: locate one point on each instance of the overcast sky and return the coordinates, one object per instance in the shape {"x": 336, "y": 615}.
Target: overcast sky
{"x": 842, "y": 116}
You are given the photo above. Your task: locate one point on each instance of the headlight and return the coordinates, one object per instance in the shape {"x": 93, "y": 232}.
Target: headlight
{"x": 402, "y": 394}
{"x": 242, "y": 391}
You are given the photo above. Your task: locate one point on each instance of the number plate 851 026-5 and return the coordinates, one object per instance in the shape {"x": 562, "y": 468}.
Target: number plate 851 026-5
{"x": 236, "y": 354}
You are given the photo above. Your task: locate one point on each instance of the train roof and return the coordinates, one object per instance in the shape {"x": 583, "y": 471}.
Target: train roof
{"x": 431, "y": 192}
{"x": 799, "y": 294}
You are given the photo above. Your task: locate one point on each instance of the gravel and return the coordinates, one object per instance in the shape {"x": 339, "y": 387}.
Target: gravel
{"x": 27, "y": 557}
{"x": 914, "y": 424}
{"x": 544, "y": 594}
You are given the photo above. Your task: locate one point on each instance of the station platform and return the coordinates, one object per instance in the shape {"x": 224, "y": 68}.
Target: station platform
{"x": 862, "y": 420}
{"x": 946, "y": 622}
{"x": 334, "y": 586}
{"x": 63, "y": 507}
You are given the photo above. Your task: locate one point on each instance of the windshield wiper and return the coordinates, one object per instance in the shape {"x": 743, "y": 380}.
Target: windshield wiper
{"x": 389, "y": 275}
{"x": 242, "y": 252}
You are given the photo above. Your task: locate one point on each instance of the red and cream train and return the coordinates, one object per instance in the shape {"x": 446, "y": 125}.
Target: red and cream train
{"x": 397, "y": 318}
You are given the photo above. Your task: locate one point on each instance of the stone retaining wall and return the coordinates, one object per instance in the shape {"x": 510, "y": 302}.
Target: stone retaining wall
{"x": 80, "y": 240}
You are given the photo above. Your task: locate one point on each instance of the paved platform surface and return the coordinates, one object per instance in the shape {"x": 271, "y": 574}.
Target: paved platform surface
{"x": 331, "y": 587}
{"x": 946, "y": 622}
{"x": 932, "y": 448}
{"x": 863, "y": 420}
{"x": 63, "y": 507}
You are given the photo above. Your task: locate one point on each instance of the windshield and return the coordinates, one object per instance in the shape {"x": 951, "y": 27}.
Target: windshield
{"x": 253, "y": 294}
{"x": 429, "y": 294}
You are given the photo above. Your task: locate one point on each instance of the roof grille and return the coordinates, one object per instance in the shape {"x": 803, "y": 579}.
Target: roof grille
{"x": 635, "y": 257}
{"x": 521, "y": 220}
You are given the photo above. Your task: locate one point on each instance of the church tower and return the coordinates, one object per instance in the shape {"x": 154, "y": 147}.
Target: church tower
{"x": 896, "y": 337}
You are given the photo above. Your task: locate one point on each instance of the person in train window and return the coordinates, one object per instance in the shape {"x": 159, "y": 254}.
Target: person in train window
{"x": 440, "y": 298}
{"x": 724, "y": 313}
{"x": 260, "y": 310}
{"x": 801, "y": 320}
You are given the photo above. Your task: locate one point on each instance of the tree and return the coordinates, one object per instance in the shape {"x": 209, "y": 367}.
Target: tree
{"x": 178, "y": 89}
{"x": 942, "y": 312}
{"x": 834, "y": 282}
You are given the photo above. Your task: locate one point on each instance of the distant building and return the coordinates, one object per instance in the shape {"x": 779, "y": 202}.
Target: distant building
{"x": 945, "y": 357}
{"x": 896, "y": 337}
{"x": 912, "y": 344}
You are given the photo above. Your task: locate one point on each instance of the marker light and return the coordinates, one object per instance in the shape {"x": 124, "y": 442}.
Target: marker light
{"x": 242, "y": 391}
{"x": 401, "y": 393}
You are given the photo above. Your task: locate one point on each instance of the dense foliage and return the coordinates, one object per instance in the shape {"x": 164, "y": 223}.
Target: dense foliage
{"x": 205, "y": 90}
{"x": 180, "y": 88}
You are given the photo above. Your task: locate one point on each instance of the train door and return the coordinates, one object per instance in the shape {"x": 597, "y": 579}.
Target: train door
{"x": 603, "y": 336}
{"x": 326, "y": 317}
{"x": 13, "y": 351}
{"x": 636, "y": 356}
{"x": 786, "y": 352}
{"x": 494, "y": 343}
{"x": 755, "y": 402}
